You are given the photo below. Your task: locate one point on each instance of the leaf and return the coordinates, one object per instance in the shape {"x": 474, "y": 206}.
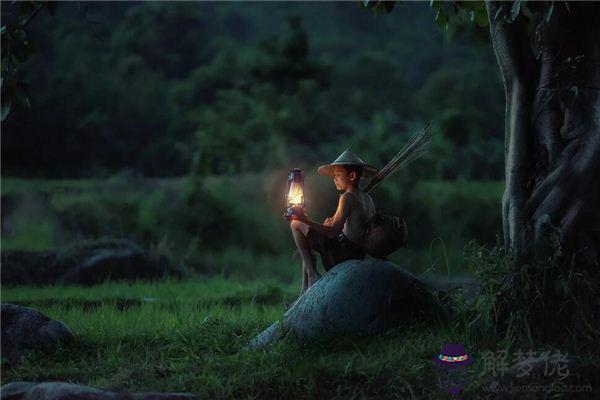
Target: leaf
{"x": 450, "y": 9}
{"x": 548, "y": 12}
{"x": 481, "y": 16}
{"x": 498, "y": 11}
{"x": 379, "y": 6}
{"x": 5, "y": 110}
{"x": 440, "y": 19}
{"x": 515, "y": 10}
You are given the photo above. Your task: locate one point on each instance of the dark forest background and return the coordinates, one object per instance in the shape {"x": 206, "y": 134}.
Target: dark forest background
{"x": 175, "y": 123}
{"x": 224, "y": 87}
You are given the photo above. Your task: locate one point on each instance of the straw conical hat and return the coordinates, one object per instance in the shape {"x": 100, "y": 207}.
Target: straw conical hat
{"x": 348, "y": 157}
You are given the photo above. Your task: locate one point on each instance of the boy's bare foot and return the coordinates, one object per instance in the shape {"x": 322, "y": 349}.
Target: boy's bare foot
{"x": 287, "y": 306}
{"x": 304, "y": 289}
{"x": 313, "y": 279}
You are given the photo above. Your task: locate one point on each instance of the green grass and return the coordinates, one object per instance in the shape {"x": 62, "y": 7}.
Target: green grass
{"x": 187, "y": 336}
{"x": 169, "y": 290}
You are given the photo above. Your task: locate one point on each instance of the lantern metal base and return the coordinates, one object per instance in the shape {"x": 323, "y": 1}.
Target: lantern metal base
{"x": 293, "y": 210}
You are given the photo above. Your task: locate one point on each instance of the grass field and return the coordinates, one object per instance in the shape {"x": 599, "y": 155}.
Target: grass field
{"x": 188, "y": 336}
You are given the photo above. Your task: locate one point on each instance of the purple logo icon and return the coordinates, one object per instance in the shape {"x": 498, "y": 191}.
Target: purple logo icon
{"x": 451, "y": 365}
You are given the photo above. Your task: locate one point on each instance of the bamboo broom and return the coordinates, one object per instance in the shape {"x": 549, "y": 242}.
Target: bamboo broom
{"x": 415, "y": 148}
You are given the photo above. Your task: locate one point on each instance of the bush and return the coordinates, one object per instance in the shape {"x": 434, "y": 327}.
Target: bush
{"x": 196, "y": 218}
{"x": 90, "y": 214}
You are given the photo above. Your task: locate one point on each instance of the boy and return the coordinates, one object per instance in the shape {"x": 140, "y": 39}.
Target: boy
{"x": 340, "y": 237}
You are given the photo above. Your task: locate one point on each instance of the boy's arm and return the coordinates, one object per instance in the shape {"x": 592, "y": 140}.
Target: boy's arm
{"x": 338, "y": 220}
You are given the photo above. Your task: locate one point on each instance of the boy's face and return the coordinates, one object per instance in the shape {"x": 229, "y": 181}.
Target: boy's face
{"x": 342, "y": 179}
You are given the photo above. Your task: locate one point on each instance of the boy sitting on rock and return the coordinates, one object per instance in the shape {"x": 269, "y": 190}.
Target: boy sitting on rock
{"x": 340, "y": 237}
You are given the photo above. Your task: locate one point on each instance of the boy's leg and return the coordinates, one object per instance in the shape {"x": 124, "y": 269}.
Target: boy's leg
{"x": 304, "y": 281}
{"x": 299, "y": 232}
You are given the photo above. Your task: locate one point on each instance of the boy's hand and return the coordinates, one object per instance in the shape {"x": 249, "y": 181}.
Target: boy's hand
{"x": 300, "y": 216}
{"x": 328, "y": 221}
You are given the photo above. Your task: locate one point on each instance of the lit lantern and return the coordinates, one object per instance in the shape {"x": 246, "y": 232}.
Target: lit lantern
{"x": 295, "y": 193}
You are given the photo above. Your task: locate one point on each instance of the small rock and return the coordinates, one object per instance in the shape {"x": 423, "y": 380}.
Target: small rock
{"x": 70, "y": 391}
{"x": 25, "y": 328}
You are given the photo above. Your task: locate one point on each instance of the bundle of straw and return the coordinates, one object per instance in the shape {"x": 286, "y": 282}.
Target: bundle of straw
{"x": 416, "y": 147}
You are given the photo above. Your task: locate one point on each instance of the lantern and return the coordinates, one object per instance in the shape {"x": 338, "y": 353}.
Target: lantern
{"x": 295, "y": 193}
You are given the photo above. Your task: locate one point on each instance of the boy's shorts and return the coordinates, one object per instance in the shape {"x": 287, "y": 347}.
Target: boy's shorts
{"x": 333, "y": 250}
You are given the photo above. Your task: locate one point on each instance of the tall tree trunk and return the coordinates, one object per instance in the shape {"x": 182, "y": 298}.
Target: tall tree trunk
{"x": 550, "y": 64}
{"x": 552, "y": 145}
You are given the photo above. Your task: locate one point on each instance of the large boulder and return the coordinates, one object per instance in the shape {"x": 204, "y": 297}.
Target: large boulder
{"x": 355, "y": 297}
{"x": 25, "y": 328}
{"x": 31, "y": 267}
{"x": 70, "y": 391}
{"x": 122, "y": 260}
{"x": 85, "y": 264}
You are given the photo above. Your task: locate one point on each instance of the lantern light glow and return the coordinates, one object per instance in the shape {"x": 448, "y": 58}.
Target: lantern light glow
{"x": 295, "y": 193}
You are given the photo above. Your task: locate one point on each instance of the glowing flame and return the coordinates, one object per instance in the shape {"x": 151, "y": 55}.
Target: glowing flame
{"x": 295, "y": 196}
